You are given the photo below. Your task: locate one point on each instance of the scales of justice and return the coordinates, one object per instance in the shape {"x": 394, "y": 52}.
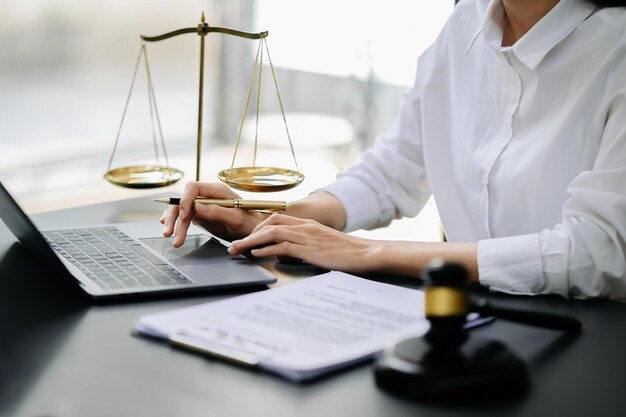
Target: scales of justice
{"x": 248, "y": 178}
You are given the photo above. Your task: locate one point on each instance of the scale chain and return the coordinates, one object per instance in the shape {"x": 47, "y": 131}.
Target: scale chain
{"x": 245, "y": 108}
{"x": 152, "y": 103}
{"x": 280, "y": 102}
{"x": 262, "y": 42}
{"x": 130, "y": 91}
{"x": 258, "y": 108}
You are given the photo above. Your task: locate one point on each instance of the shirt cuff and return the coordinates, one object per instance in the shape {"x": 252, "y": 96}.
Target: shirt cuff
{"x": 359, "y": 201}
{"x": 511, "y": 264}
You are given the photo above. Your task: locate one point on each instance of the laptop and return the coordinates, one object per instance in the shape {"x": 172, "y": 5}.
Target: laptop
{"x": 123, "y": 259}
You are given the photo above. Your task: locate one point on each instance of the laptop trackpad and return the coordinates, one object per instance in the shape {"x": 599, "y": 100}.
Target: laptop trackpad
{"x": 199, "y": 258}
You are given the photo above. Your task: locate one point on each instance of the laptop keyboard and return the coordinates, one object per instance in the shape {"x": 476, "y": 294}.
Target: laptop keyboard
{"x": 112, "y": 259}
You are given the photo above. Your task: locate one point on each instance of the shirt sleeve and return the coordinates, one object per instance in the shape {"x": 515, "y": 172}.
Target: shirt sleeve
{"x": 389, "y": 181}
{"x": 584, "y": 255}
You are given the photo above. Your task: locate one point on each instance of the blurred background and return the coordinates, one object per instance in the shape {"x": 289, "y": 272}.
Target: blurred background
{"x": 66, "y": 68}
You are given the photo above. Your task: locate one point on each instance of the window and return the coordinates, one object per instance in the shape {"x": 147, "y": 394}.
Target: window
{"x": 353, "y": 37}
{"x": 66, "y": 66}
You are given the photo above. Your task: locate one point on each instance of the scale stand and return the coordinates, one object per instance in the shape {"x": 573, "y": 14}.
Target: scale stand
{"x": 250, "y": 178}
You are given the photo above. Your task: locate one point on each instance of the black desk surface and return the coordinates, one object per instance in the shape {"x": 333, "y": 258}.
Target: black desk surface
{"x": 63, "y": 358}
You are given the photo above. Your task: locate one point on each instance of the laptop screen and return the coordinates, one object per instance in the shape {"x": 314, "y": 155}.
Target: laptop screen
{"x": 23, "y": 228}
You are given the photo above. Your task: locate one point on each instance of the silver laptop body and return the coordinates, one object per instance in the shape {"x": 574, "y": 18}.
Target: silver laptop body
{"x": 132, "y": 258}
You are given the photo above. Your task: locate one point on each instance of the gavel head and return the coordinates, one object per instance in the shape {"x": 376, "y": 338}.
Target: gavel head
{"x": 446, "y": 304}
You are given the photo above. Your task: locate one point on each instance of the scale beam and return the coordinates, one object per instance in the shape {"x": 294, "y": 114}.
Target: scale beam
{"x": 205, "y": 29}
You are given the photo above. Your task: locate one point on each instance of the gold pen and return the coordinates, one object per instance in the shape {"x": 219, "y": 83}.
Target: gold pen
{"x": 256, "y": 205}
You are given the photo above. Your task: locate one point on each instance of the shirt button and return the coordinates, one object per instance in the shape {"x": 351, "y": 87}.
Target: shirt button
{"x": 483, "y": 175}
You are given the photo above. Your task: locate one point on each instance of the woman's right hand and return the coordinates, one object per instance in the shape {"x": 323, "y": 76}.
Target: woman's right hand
{"x": 226, "y": 223}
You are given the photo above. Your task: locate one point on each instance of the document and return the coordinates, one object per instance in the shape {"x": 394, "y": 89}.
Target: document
{"x": 300, "y": 330}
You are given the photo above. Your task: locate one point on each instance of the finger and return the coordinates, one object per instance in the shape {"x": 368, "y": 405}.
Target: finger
{"x": 215, "y": 190}
{"x": 195, "y": 189}
{"x": 215, "y": 213}
{"x": 181, "y": 231}
{"x": 258, "y": 239}
{"x": 279, "y": 219}
{"x": 169, "y": 220}
{"x": 192, "y": 191}
{"x": 283, "y": 249}
{"x": 267, "y": 235}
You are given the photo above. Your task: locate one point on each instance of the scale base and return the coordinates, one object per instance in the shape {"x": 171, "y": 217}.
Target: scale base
{"x": 479, "y": 371}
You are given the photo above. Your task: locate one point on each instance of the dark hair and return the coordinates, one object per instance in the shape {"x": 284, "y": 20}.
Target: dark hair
{"x": 609, "y": 3}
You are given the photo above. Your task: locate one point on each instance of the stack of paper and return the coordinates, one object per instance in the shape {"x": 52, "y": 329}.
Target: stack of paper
{"x": 300, "y": 330}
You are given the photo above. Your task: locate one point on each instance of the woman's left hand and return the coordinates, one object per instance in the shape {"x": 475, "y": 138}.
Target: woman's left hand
{"x": 286, "y": 236}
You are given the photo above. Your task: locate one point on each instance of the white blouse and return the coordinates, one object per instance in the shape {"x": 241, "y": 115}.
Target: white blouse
{"x": 523, "y": 148}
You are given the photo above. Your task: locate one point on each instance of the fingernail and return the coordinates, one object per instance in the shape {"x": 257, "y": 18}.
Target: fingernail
{"x": 231, "y": 250}
{"x": 181, "y": 213}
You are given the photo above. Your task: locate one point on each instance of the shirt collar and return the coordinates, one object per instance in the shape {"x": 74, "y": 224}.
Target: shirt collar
{"x": 560, "y": 22}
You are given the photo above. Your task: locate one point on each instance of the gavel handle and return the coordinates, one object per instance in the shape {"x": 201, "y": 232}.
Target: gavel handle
{"x": 532, "y": 318}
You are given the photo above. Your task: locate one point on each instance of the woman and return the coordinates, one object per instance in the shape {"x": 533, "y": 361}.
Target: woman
{"x": 516, "y": 124}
